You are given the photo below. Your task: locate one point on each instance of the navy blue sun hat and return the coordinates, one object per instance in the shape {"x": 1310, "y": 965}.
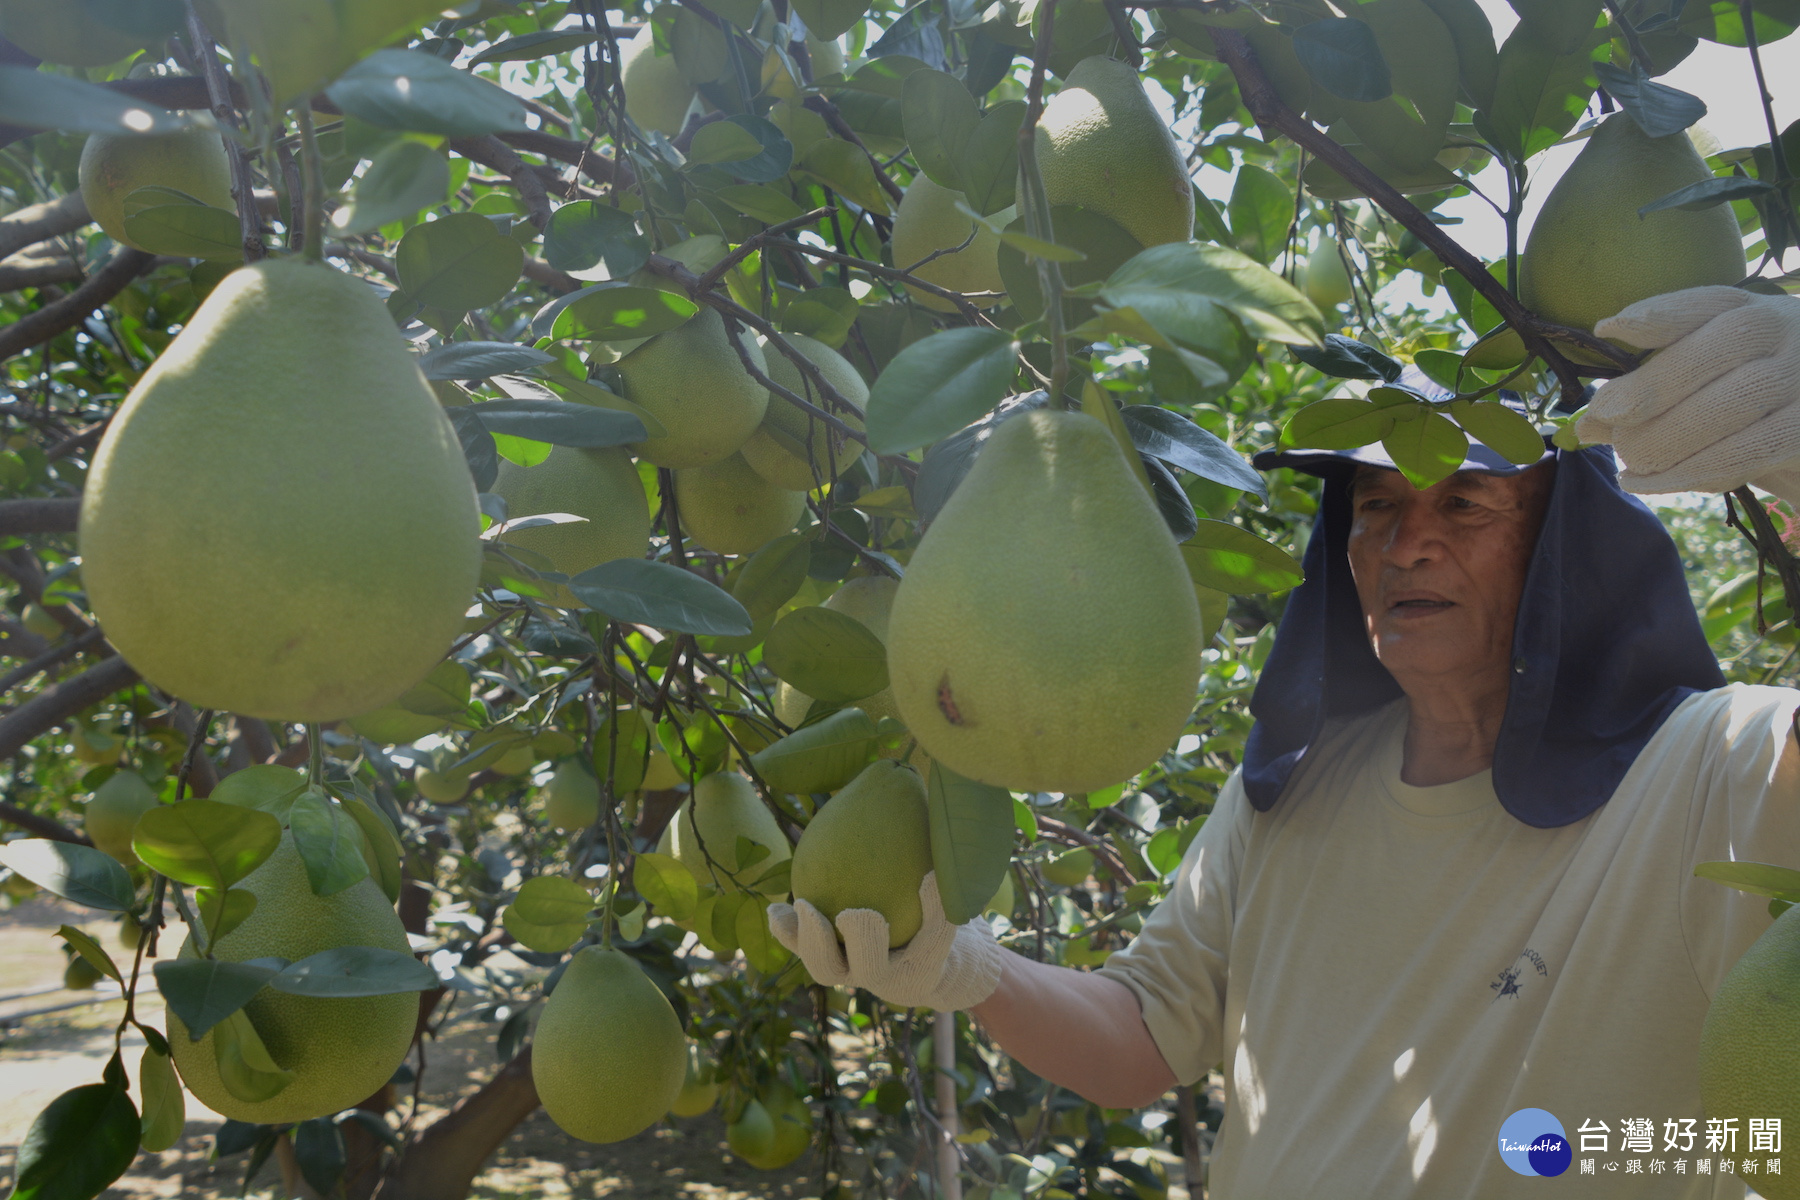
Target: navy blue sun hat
{"x": 1606, "y": 643}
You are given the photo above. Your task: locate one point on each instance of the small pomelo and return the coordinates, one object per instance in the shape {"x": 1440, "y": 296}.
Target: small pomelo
{"x": 114, "y": 811}
{"x": 869, "y": 846}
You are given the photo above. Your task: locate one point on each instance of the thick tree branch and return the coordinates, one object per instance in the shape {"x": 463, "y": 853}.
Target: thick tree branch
{"x": 58, "y": 703}
{"x": 1275, "y": 117}
{"x": 43, "y": 826}
{"x": 55, "y": 319}
{"x": 579, "y": 155}
{"x": 31, "y": 269}
{"x": 493, "y": 153}
{"x": 51, "y": 515}
{"x": 444, "y": 1159}
{"x": 38, "y": 222}
{"x": 50, "y": 657}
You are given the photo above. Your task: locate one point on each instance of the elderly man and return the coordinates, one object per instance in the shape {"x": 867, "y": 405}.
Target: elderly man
{"x": 1453, "y": 878}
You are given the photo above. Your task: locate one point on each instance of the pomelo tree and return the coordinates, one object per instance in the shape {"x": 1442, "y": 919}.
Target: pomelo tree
{"x": 713, "y": 378}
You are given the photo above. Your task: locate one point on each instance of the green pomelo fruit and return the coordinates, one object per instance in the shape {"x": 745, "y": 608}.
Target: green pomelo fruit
{"x": 130, "y": 933}
{"x": 869, "y": 846}
{"x": 752, "y": 1136}
{"x": 789, "y": 1133}
{"x": 1500, "y": 350}
{"x": 609, "y": 1056}
{"x": 1046, "y": 637}
{"x": 341, "y": 1049}
{"x": 304, "y": 44}
{"x": 1750, "y": 1043}
{"x": 1590, "y": 254}
{"x": 780, "y": 448}
{"x": 601, "y": 485}
{"x": 35, "y": 619}
{"x": 1001, "y": 902}
{"x": 699, "y": 1087}
{"x": 61, "y": 31}
{"x": 730, "y": 509}
{"x": 516, "y": 761}
{"x": 656, "y": 96}
{"x": 1071, "y": 868}
{"x": 340, "y": 544}
{"x": 572, "y": 797}
{"x": 80, "y": 974}
{"x": 114, "y": 811}
{"x": 704, "y": 834}
{"x": 1101, "y": 144}
{"x": 1326, "y": 281}
{"x": 661, "y": 773}
{"x": 426, "y": 707}
{"x": 928, "y": 221}
{"x": 692, "y": 381}
{"x": 113, "y": 165}
{"x": 441, "y": 787}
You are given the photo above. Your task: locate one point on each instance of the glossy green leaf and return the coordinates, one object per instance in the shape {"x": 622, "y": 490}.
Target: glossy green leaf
{"x": 1501, "y": 429}
{"x": 265, "y": 786}
{"x": 1338, "y": 424}
{"x": 320, "y": 1154}
{"x": 937, "y": 385}
{"x": 761, "y": 202}
{"x": 584, "y": 233}
{"x": 330, "y": 843}
{"x": 1477, "y": 60}
{"x": 78, "y": 1145}
{"x": 1709, "y": 193}
{"x": 245, "y": 1067}
{"x": 458, "y": 263}
{"x": 667, "y": 885}
{"x": 830, "y": 18}
{"x": 615, "y": 311}
{"x": 751, "y": 927}
{"x": 653, "y": 593}
{"x": 405, "y": 177}
{"x": 408, "y": 89}
{"x": 1184, "y": 287}
{"x": 380, "y": 848}
{"x": 238, "y": 904}
{"x": 827, "y": 655}
{"x": 165, "y": 1107}
{"x": 1347, "y": 358}
{"x": 549, "y": 914}
{"x": 1343, "y": 57}
{"x": 560, "y": 423}
{"x": 1539, "y": 94}
{"x": 722, "y": 142}
{"x": 80, "y": 874}
{"x": 542, "y": 44}
{"x": 823, "y": 313}
{"x": 355, "y": 971}
{"x": 1104, "y": 244}
{"x": 971, "y": 840}
{"x": 205, "y": 843}
{"x": 46, "y": 100}
{"x": 775, "y": 154}
{"x": 1179, "y": 442}
{"x": 940, "y": 116}
{"x": 989, "y": 163}
{"x": 1561, "y": 25}
{"x": 820, "y": 757}
{"x": 204, "y": 991}
{"x": 1659, "y": 109}
{"x": 773, "y": 574}
{"x": 479, "y": 360}
{"x": 91, "y": 950}
{"x": 1260, "y": 210}
{"x": 1427, "y": 447}
{"x": 620, "y": 758}
{"x": 846, "y": 169}
{"x": 1231, "y": 559}
{"x": 1759, "y": 879}
{"x": 186, "y": 230}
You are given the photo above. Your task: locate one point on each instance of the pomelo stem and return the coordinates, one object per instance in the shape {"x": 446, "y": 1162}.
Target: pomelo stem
{"x": 943, "y": 1036}
{"x": 313, "y": 229}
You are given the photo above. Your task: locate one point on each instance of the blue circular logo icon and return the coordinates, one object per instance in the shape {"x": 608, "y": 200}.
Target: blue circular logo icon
{"x": 1532, "y": 1142}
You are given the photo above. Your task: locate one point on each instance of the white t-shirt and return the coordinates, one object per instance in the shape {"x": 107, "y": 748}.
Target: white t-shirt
{"x": 1388, "y": 972}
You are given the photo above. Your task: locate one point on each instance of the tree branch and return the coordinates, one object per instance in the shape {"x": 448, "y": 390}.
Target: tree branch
{"x": 52, "y": 515}
{"x": 29, "y": 269}
{"x": 493, "y": 153}
{"x": 65, "y": 314}
{"x": 841, "y": 128}
{"x": 61, "y": 701}
{"x": 445, "y": 1158}
{"x": 596, "y": 167}
{"x": 37, "y": 222}
{"x": 218, "y": 96}
{"x": 43, "y": 826}
{"x": 51, "y": 657}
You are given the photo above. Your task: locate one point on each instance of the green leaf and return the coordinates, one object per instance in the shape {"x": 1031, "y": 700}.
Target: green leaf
{"x": 1759, "y": 879}
{"x": 823, "y": 313}
{"x": 330, "y": 844}
{"x": 238, "y": 903}
{"x": 667, "y": 885}
{"x": 560, "y": 422}
{"x": 827, "y": 655}
{"x": 820, "y": 757}
{"x": 1659, "y": 109}
{"x": 722, "y": 142}
{"x": 549, "y": 914}
{"x": 760, "y": 202}
{"x": 1347, "y": 358}
{"x": 774, "y": 156}
{"x": 1708, "y": 193}
{"x": 320, "y": 1154}
{"x": 1343, "y": 57}
{"x": 81, "y": 874}
{"x": 773, "y": 574}
{"x": 1339, "y": 424}
{"x": 1104, "y": 243}
{"x": 458, "y": 263}
{"x": 971, "y": 840}
{"x": 830, "y": 18}
{"x": 1539, "y": 94}
{"x": 846, "y": 169}
{"x": 937, "y": 385}
{"x": 411, "y": 90}
{"x": 610, "y": 312}
{"x": 1502, "y": 430}
{"x": 45, "y": 100}
{"x": 165, "y": 1108}
{"x": 989, "y": 164}
{"x": 1427, "y": 447}
{"x": 380, "y": 848}
{"x": 405, "y": 177}
{"x": 80, "y": 1143}
{"x": 528, "y": 46}
{"x": 479, "y": 360}
{"x": 621, "y": 758}
{"x": 204, "y": 991}
{"x": 1179, "y": 442}
{"x": 1261, "y": 209}
{"x": 267, "y": 787}
{"x": 245, "y": 1067}
{"x": 754, "y": 938}
{"x": 584, "y": 233}
{"x": 91, "y": 950}
{"x": 652, "y": 593}
{"x": 355, "y": 971}
{"x": 184, "y": 230}
{"x": 1227, "y": 558}
{"x": 1183, "y": 288}
{"x": 204, "y": 843}
{"x": 940, "y": 116}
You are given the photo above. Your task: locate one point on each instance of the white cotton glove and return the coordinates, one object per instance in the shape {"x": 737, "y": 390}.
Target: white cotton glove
{"x": 945, "y": 967}
{"x": 1715, "y": 407}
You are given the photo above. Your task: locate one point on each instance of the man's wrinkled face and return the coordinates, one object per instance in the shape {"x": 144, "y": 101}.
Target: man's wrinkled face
{"x": 1440, "y": 571}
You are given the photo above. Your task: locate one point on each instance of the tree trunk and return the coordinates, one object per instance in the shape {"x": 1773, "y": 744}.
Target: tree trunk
{"x": 442, "y": 1162}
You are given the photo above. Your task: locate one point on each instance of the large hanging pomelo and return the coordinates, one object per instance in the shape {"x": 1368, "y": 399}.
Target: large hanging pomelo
{"x": 928, "y": 221}
{"x": 792, "y": 448}
{"x": 279, "y": 521}
{"x": 600, "y": 485}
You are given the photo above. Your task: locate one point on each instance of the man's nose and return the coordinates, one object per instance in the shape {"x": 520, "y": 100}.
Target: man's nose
{"x": 1415, "y": 537}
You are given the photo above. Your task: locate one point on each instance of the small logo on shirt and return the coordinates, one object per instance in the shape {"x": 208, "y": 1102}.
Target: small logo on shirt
{"x": 1532, "y": 1142}
{"x": 1509, "y": 981}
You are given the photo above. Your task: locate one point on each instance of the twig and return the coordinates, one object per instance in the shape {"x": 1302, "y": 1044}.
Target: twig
{"x": 65, "y": 314}
{"x": 1034, "y": 204}
{"x": 1638, "y": 54}
{"x": 897, "y": 274}
{"x": 1103, "y": 851}
{"x": 218, "y": 95}
{"x": 312, "y": 172}
{"x": 39, "y": 222}
{"x": 56, "y": 704}
{"x": 51, "y": 657}
{"x": 749, "y": 245}
{"x": 42, "y": 826}
{"x": 835, "y": 120}
{"x": 491, "y": 152}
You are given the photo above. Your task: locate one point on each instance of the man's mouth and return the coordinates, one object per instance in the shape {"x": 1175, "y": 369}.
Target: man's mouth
{"x": 1423, "y": 605}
